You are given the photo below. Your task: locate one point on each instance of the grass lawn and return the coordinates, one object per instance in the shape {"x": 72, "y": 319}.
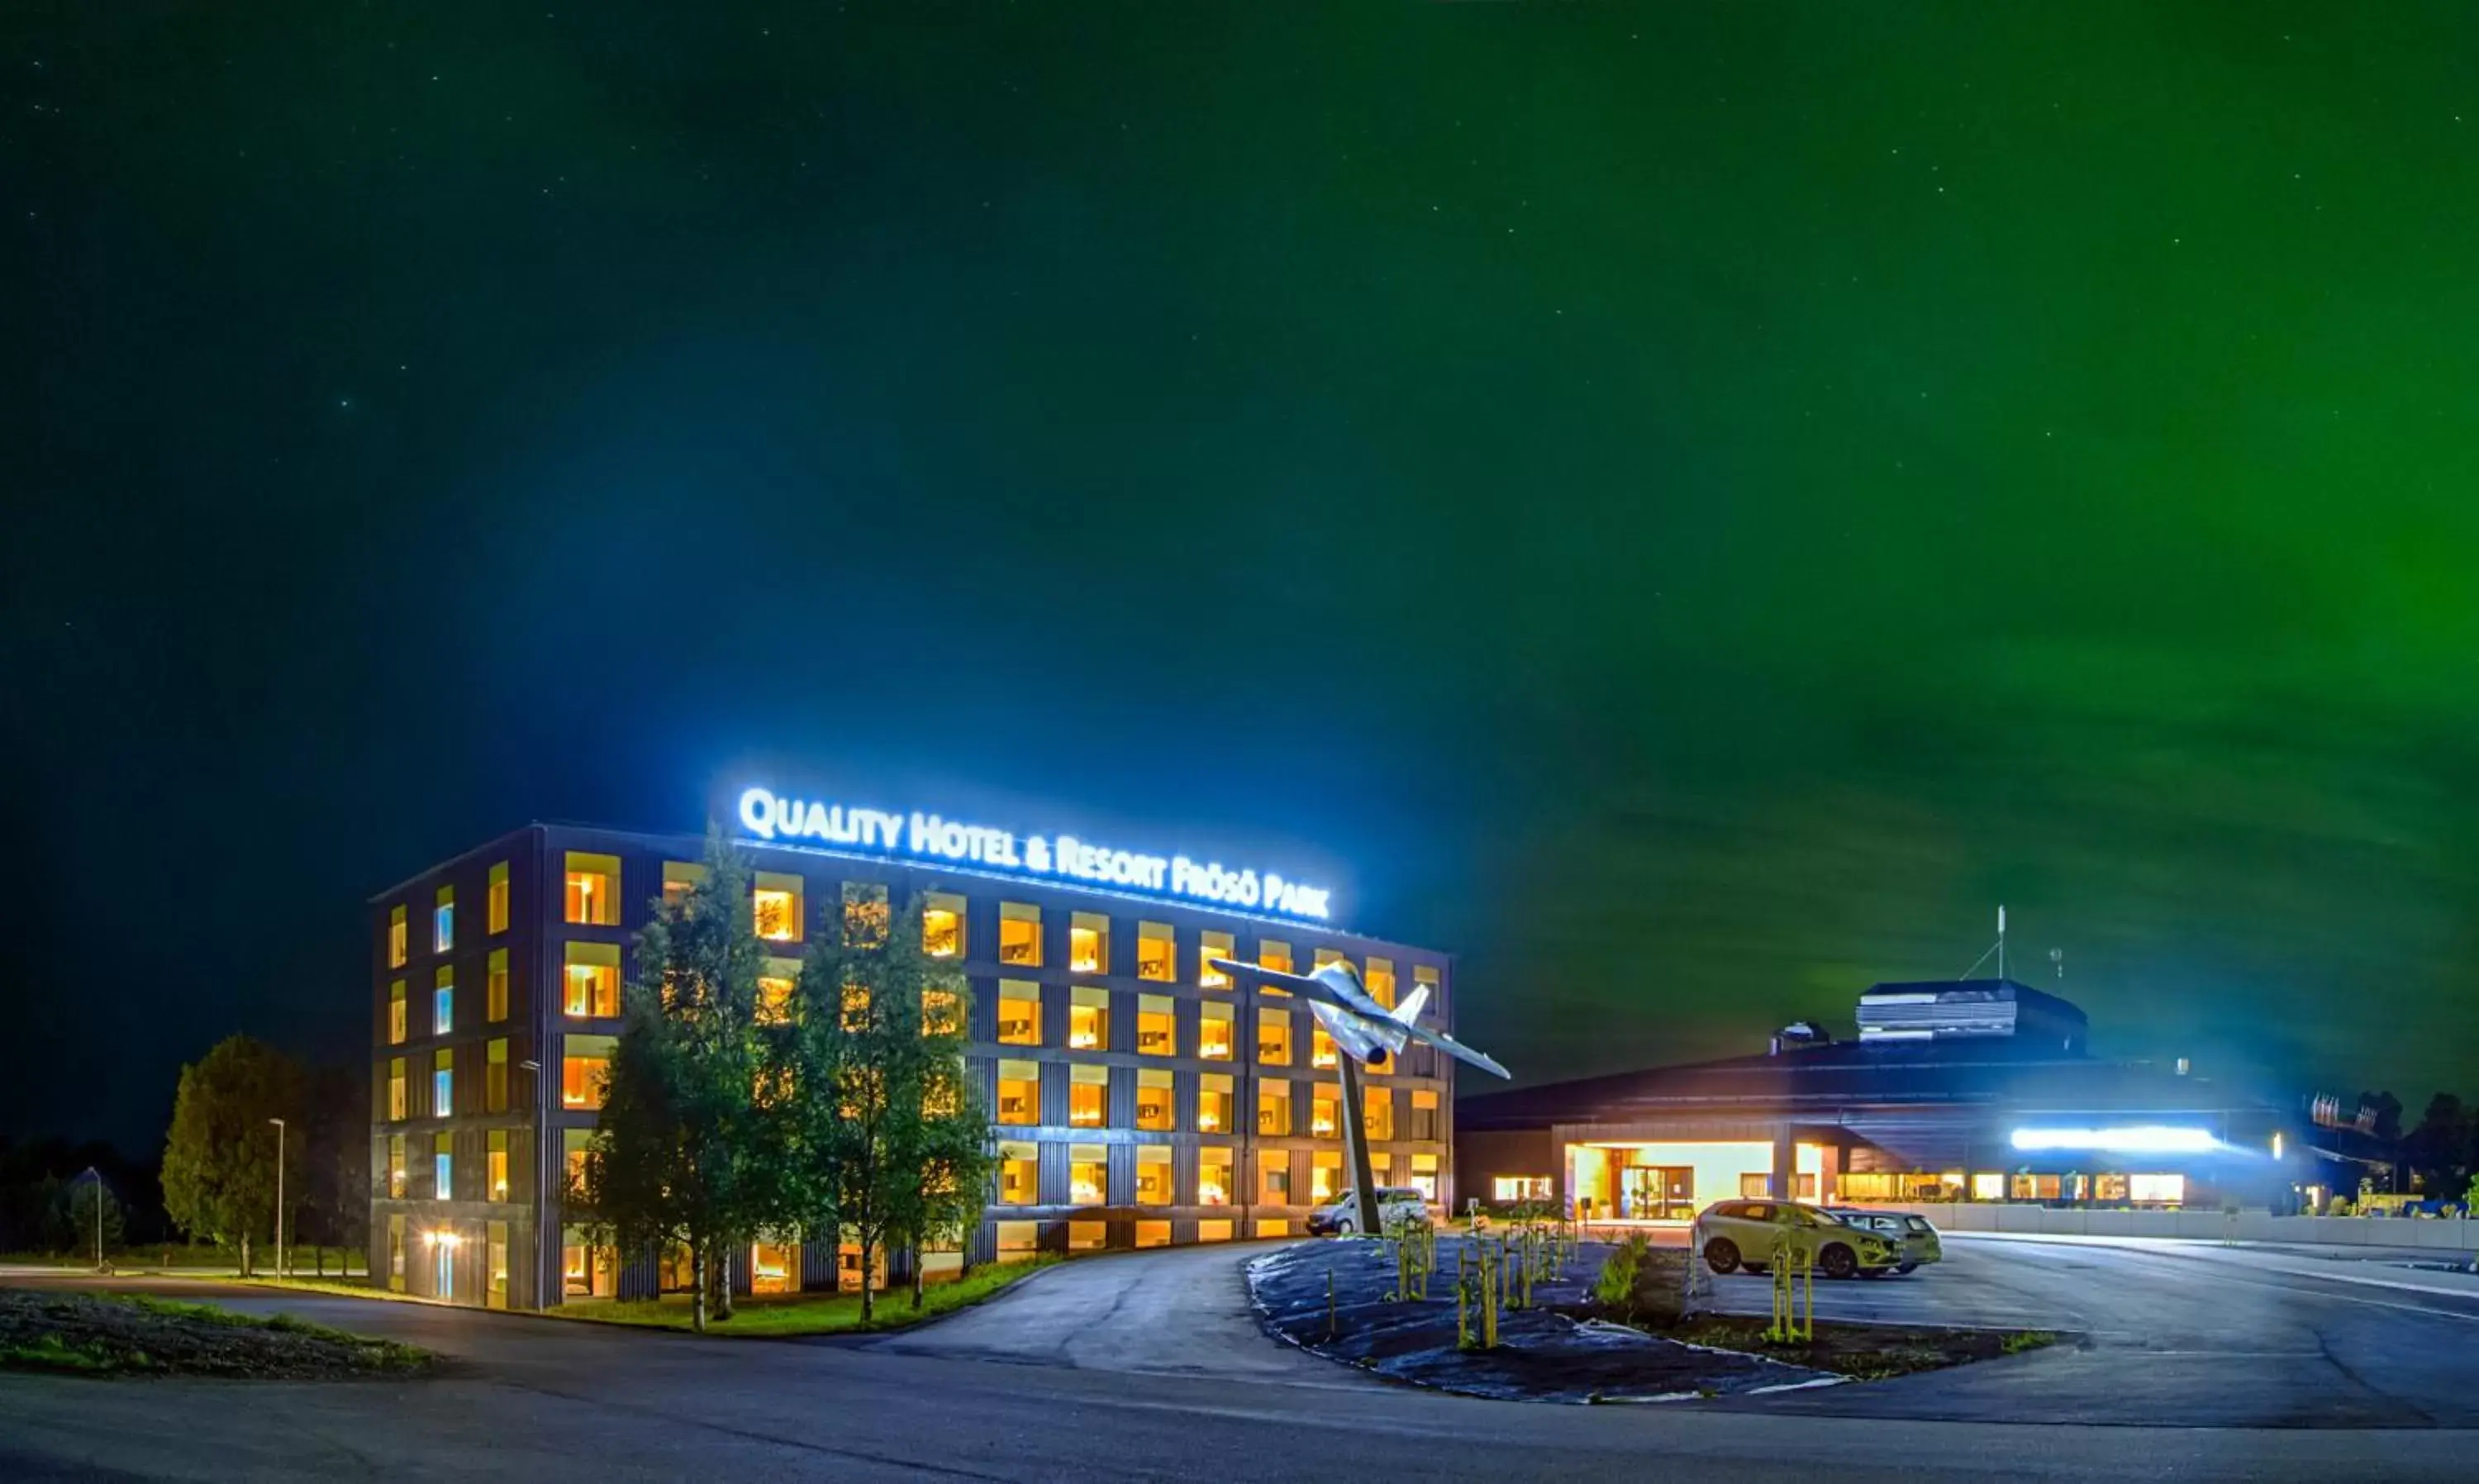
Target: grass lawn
{"x": 807, "y": 1314}
{"x": 349, "y": 1288}
{"x": 114, "y": 1334}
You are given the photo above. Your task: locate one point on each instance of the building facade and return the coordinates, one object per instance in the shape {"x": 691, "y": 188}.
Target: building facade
{"x": 1138, "y": 1098}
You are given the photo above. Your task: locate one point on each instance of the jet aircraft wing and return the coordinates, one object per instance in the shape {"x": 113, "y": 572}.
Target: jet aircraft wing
{"x": 1355, "y": 1000}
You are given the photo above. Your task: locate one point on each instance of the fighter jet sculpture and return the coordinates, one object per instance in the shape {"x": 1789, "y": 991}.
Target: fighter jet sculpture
{"x": 1367, "y": 1032}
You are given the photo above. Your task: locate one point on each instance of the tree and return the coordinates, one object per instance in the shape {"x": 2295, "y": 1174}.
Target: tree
{"x": 219, "y": 1158}
{"x": 2438, "y": 1150}
{"x": 888, "y": 1144}
{"x": 682, "y": 1156}
{"x": 2383, "y": 1111}
{"x": 77, "y": 1207}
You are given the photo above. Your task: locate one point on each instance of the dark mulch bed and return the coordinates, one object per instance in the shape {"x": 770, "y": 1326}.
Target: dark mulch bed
{"x": 125, "y": 1334}
{"x": 1543, "y": 1354}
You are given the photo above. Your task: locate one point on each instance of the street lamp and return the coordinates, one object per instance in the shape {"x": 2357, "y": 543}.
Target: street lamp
{"x": 279, "y": 1198}
{"x": 98, "y": 1217}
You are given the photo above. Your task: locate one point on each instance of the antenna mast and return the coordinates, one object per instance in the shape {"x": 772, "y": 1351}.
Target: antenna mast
{"x": 2000, "y": 940}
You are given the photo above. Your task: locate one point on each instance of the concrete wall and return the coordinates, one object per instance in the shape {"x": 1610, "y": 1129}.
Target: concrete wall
{"x": 2440, "y": 1236}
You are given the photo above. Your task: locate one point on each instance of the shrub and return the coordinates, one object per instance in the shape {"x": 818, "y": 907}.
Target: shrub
{"x": 1614, "y": 1288}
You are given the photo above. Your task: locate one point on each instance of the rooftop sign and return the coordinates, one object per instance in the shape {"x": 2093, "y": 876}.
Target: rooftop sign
{"x": 919, "y": 836}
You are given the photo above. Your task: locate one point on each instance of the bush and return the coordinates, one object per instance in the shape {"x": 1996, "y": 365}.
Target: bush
{"x": 1614, "y": 1288}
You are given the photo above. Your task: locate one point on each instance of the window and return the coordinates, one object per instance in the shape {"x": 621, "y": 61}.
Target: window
{"x": 2158, "y": 1190}
{"x": 2107, "y": 1187}
{"x": 943, "y": 925}
{"x": 593, "y": 889}
{"x": 1325, "y": 955}
{"x": 443, "y": 1002}
{"x": 865, "y": 914}
{"x": 1424, "y": 1114}
{"x": 1379, "y": 980}
{"x": 1019, "y": 1012}
{"x": 1214, "y": 1103}
{"x": 1156, "y": 952}
{"x": 495, "y": 901}
{"x": 1424, "y": 1177}
{"x": 1987, "y": 1187}
{"x": 573, "y": 1147}
{"x": 1153, "y": 1175}
{"x": 1273, "y": 1036}
{"x": 395, "y": 1253}
{"x": 1151, "y": 1233}
{"x": 591, "y": 980}
{"x": 1089, "y": 1096}
{"x": 1214, "y": 1231}
{"x": 1088, "y": 1175}
{"x": 942, "y": 1012}
{"x": 1377, "y": 1113}
{"x": 395, "y": 1176}
{"x": 1273, "y": 955}
{"x": 1274, "y": 1177}
{"x": 1018, "y": 1239}
{"x": 1019, "y": 1092}
{"x": 443, "y": 921}
{"x": 495, "y": 1076}
{"x": 443, "y": 1167}
{"x": 1212, "y": 1176}
{"x": 1088, "y": 1236}
{"x": 495, "y": 1172}
{"x": 1088, "y": 1018}
{"x": 397, "y": 950}
{"x": 1214, "y": 1031}
{"x": 1020, "y": 935}
{"x": 1323, "y": 1120}
{"x": 1152, "y": 1100}
{"x": 1211, "y": 946}
{"x": 1320, "y": 1046}
{"x": 1325, "y": 1175}
{"x": 443, "y": 1082}
{"x": 775, "y": 907}
{"x": 584, "y": 1063}
{"x": 398, "y": 1019}
{"x": 495, "y": 988}
{"x": 770, "y": 1267}
{"x": 1274, "y": 1108}
{"x": 777, "y": 979}
{"x": 396, "y": 1107}
{"x": 587, "y": 1272}
{"x": 2035, "y": 1187}
{"x": 679, "y": 879}
{"x": 1089, "y": 943}
{"x": 1019, "y": 1173}
{"x": 495, "y": 1292}
{"x": 1155, "y": 1036}
{"x": 1520, "y": 1188}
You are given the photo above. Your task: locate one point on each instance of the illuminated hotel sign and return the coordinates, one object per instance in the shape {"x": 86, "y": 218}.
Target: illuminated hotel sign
{"x": 770, "y": 816}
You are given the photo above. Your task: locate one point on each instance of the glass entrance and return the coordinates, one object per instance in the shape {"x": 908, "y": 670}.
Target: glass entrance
{"x": 442, "y": 1270}
{"x": 1658, "y": 1193}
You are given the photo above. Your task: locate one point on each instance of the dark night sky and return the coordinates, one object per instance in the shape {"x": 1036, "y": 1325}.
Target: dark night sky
{"x": 1687, "y": 506}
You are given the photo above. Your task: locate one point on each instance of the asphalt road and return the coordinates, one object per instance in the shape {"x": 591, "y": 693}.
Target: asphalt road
{"x": 1145, "y": 1366}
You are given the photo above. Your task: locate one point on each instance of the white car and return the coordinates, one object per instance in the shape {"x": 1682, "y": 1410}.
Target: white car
{"x": 1735, "y": 1234}
{"x": 1340, "y": 1215}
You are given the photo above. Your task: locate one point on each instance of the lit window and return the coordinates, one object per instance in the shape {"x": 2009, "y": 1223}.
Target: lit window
{"x": 1088, "y": 1236}
{"x": 1212, "y": 1176}
{"x": 1153, "y": 1175}
{"x": 575, "y": 1145}
{"x": 495, "y": 1293}
{"x": 2104, "y": 1188}
{"x": 495, "y": 901}
{"x": 775, "y": 982}
{"x": 1377, "y": 1113}
{"x": 443, "y": 1167}
{"x": 1089, "y": 1096}
{"x": 855, "y": 1008}
{"x": 1275, "y": 1036}
{"x": 443, "y": 1083}
{"x": 1211, "y": 946}
{"x": 443, "y": 1002}
{"x": 1018, "y": 1239}
{"x": 1214, "y": 1231}
{"x": 1379, "y": 981}
{"x": 443, "y": 921}
{"x": 1019, "y": 1012}
{"x": 396, "y": 948}
{"x": 775, "y": 907}
{"x": 1424, "y": 1176}
{"x": 941, "y": 1013}
{"x": 593, "y": 980}
{"x": 1150, "y": 1234}
{"x": 495, "y": 1076}
{"x": 1987, "y": 1187}
{"x": 771, "y": 1266}
{"x": 1156, "y": 1033}
{"x": 1214, "y": 1032}
{"x": 1088, "y": 1175}
{"x": 943, "y": 925}
{"x": 1019, "y": 1092}
{"x": 1088, "y": 1018}
{"x": 1157, "y": 954}
{"x": 1273, "y": 955}
{"x": 1325, "y": 955}
{"x": 584, "y": 1068}
{"x": 1325, "y": 1175}
{"x": 1019, "y": 1173}
{"x": 1273, "y": 1108}
{"x": 1089, "y": 943}
{"x": 495, "y": 988}
{"x": 1214, "y": 1103}
{"x": 395, "y": 1252}
{"x": 2157, "y": 1189}
{"x": 397, "y": 1026}
{"x": 1274, "y": 1178}
{"x": 395, "y": 1176}
{"x": 496, "y": 1173}
{"x": 1320, "y": 1046}
{"x": 593, "y": 889}
{"x": 1020, "y": 935}
{"x": 1323, "y": 1100}
{"x": 1425, "y": 1114}
{"x": 865, "y": 914}
{"x": 679, "y": 879}
{"x": 396, "y": 1090}
{"x": 1520, "y": 1188}
{"x": 1153, "y": 1099}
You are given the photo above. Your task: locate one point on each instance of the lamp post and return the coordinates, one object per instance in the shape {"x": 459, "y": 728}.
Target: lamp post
{"x": 98, "y": 1217}
{"x": 279, "y": 1198}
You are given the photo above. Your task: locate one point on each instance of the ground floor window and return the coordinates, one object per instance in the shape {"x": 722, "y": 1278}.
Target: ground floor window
{"x": 1212, "y": 1176}
{"x": 1018, "y": 1239}
{"x": 848, "y": 1268}
{"x": 1520, "y": 1188}
{"x": 1214, "y": 1231}
{"x": 1153, "y": 1234}
{"x": 773, "y": 1267}
{"x": 1273, "y": 1226}
{"x": 1987, "y": 1187}
{"x": 395, "y": 1253}
{"x": 495, "y": 1263}
{"x": 1088, "y": 1236}
{"x": 588, "y": 1272}
{"x": 2157, "y": 1189}
{"x": 1424, "y": 1177}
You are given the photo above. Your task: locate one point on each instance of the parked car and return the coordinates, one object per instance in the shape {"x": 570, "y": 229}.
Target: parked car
{"x": 1733, "y": 1235}
{"x": 1342, "y": 1214}
{"x": 1919, "y": 1240}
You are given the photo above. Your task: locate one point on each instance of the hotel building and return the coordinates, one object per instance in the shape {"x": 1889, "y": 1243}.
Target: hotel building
{"x": 1138, "y": 1098}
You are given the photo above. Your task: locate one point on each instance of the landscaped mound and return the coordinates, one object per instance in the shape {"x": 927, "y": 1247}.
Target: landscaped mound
{"x": 124, "y": 1335}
